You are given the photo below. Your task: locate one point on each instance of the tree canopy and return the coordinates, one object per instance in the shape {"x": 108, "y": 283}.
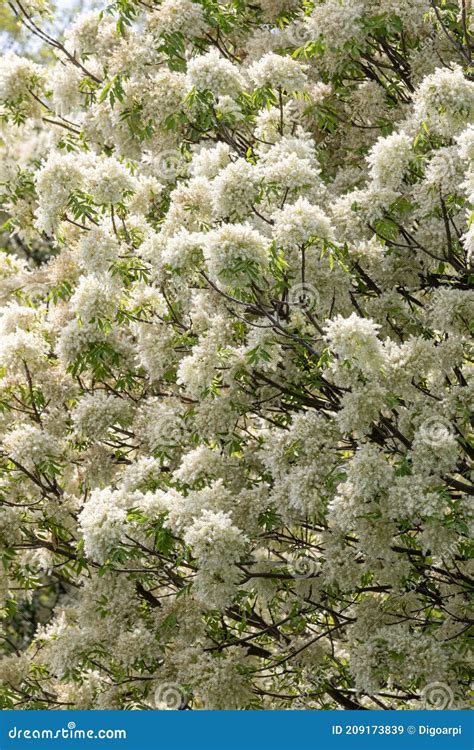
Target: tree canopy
{"x": 236, "y": 375}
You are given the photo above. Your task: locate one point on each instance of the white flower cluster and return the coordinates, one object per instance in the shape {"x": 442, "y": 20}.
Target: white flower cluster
{"x": 213, "y": 72}
{"x": 389, "y": 158}
{"x": 445, "y": 101}
{"x": 65, "y": 82}
{"x": 235, "y": 252}
{"x": 97, "y": 412}
{"x": 19, "y": 79}
{"x": 278, "y": 71}
{"x": 183, "y": 16}
{"x": 102, "y": 522}
{"x": 354, "y": 339}
{"x": 217, "y": 544}
{"x": 300, "y": 222}
{"x": 30, "y": 445}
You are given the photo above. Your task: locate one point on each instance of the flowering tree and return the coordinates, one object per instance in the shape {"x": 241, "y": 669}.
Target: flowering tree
{"x": 235, "y": 380}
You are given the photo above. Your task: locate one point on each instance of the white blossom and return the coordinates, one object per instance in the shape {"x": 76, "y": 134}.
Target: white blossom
{"x": 215, "y": 73}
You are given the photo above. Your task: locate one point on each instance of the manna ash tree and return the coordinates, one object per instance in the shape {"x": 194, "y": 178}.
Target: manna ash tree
{"x": 235, "y": 350}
